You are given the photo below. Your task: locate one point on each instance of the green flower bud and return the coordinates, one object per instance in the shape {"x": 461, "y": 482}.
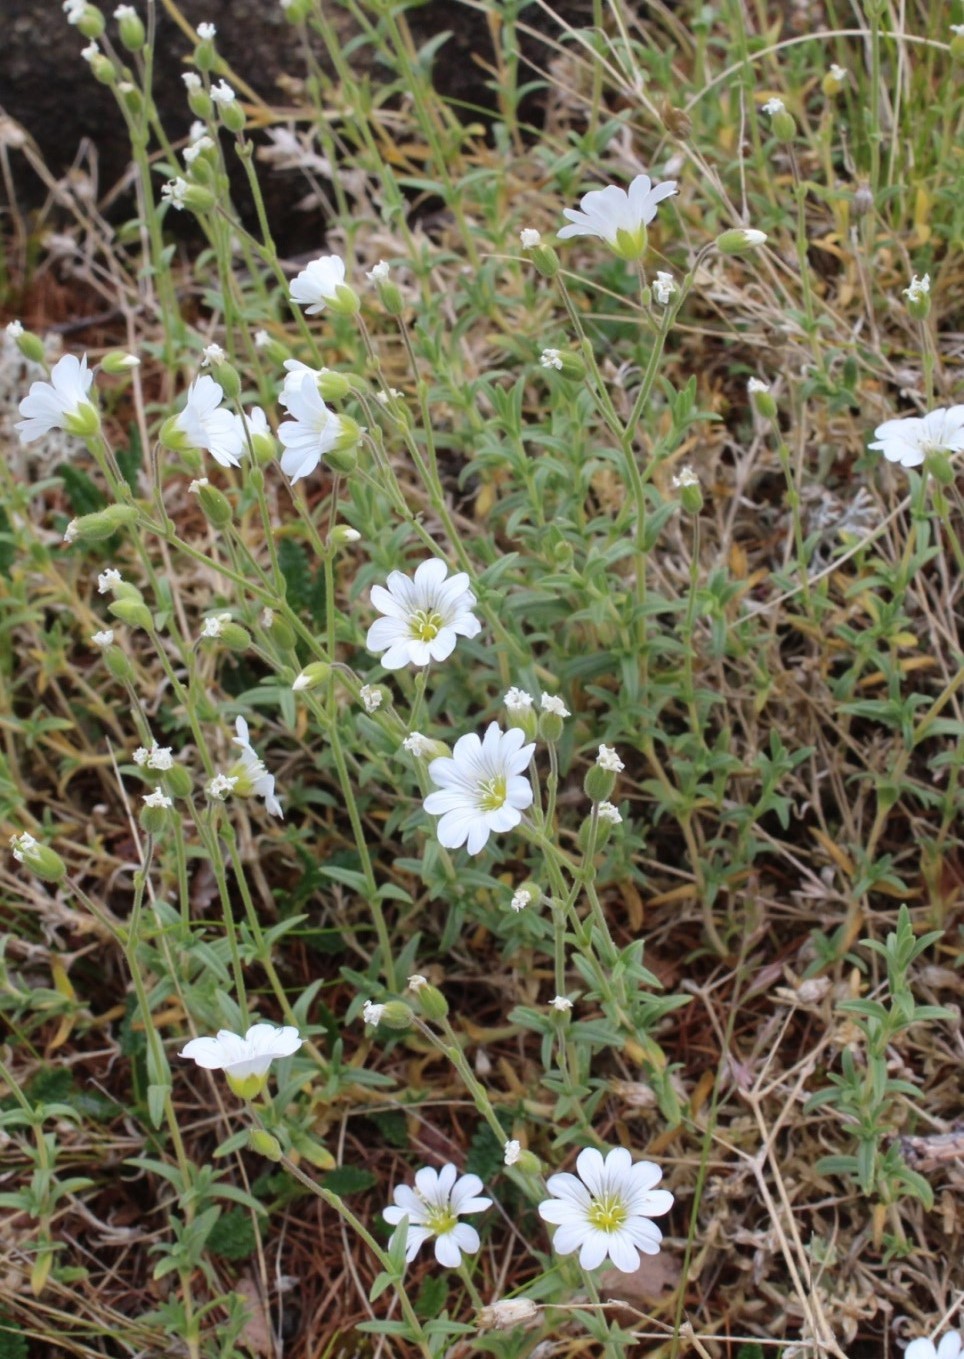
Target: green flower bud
{"x": 132, "y": 612}
{"x": 431, "y": 1002}
{"x": 45, "y": 862}
{"x": 333, "y": 386}
{"x": 546, "y": 260}
{"x": 31, "y": 346}
{"x": 390, "y": 296}
{"x": 131, "y": 29}
{"x": 311, "y": 1150}
{"x": 919, "y": 297}
{"x": 227, "y": 375}
{"x": 235, "y": 637}
{"x": 568, "y": 364}
{"x": 104, "y": 70}
{"x": 132, "y": 98}
{"x": 278, "y": 630}
{"x": 784, "y": 127}
{"x": 205, "y": 57}
{"x": 198, "y": 199}
{"x": 215, "y": 504}
{"x": 599, "y": 783}
{"x": 125, "y": 590}
{"x": 91, "y": 23}
{"x": 834, "y": 82}
{"x": 939, "y": 464}
{"x": 396, "y": 1015}
{"x": 119, "y": 665}
{"x": 957, "y": 42}
{"x": 177, "y": 781}
{"x": 199, "y": 102}
{"x": 118, "y": 362}
{"x": 529, "y": 1163}
{"x": 740, "y": 240}
{"x": 761, "y": 399}
{"x": 155, "y": 815}
{"x": 94, "y": 528}
{"x": 296, "y": 11}
{"x": 232, "y": 116}
{"x": 265, "y": 1144}
{"x": 343, "y": 535}
{"x": 690, "y": 494}
{"x": 550, "y": 727}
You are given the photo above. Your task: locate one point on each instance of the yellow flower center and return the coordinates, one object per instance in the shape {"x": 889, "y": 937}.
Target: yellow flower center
{"x": 608, "y": 1213}
{"x": 424, "y": 625}
{"x": 440, "y": 1220}
{"x": 492, "y": 793}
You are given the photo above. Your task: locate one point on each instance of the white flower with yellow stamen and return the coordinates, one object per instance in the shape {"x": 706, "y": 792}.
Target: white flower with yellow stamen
{"x": 606, "y": 1211}
{"x": 433, "y": 1209}
{"x": 481, "y": 788}
{"x": 424, "y": 615}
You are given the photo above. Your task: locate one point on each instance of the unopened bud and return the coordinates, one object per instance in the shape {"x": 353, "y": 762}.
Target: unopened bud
{"x": 45, "y": 862}
{"x": 740, "y": 240}
{"x": 233, "y": 116}
{"x": 235, "y": 637}
{"x": 119, "y": 664}
{"x": 940, "y": 467}
{"x": 177, "y": 781}
{"x": 131, "y": 29}
{"x": 546, "y": 260}
{"x": 265, "y": 1144}
{"x": 505, "y": 1314}
{"x": 314, "y": 674}
{"x": 31, "y": 346}
{"x": 431, "y": 1002}
{"x": 118, "y": 362}
{"x": 216, "y": 506}
{"x": 761, "y": 398}
{"x": 395, "y": 1014}
{"x": 333, "y": 386}
{"x": 94, "y": 528}
{"x": 599, "y": 783}
{"x": 132, "y": 612}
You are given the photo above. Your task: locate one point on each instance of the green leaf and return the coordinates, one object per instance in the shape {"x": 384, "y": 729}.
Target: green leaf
{"x": 348, "y": 1180}
{"x": 432, "y": 1295}
{"x": 233, "y": 1236}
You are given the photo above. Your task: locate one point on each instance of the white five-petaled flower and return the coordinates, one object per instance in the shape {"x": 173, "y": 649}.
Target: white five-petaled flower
{"x": 214, "y": 626}
{"x": 379, "y": 274}
{"x": 222, "y": 94}
{"x": 608, "y": 759}
{"x": 773, "y": 107}
{"x": 618, "y": 217}
{"x": 551, "y": 358}
{"x": 206, "y": 32}
{"x": 607, "y": 1210}
{"x": 173, "y": 192}
{"x": 416, "y": 744}
{"x": 481, "y": 788}
{"x": 755, "y": 385}
{"x": 513, "y": 1150}
{"x": 103, "y": 639}
{"x": 158, "y": 757}
{"x": 249, "y": 774}
{"x": 424, "y": 615}
{"x": 550, "y": 703}
{"x": 685, "y": 477}
{"x": 433, "y": 1209}
{"x": 918, "y": 288}
{"x": 220, "y": 786}
{"x": 371, "y": 697}
{"x": 520, "y": 899}
{"x": 664, "y": 286}
{"x": 529, "y": 237}
{"x": 561, "y": 1003}
{"x": 245, "y": 1061}
{"x": 909, "y": 440}
{"x": 206, "y": 424}
{"x": 61, "y": 403}
{"x": 948, "y": 1347}
{"x": 108, "y": 580}
{"x": 158, "y": 798}
{"x": 312, "y": 432}
{"x": 318, "y": 283}
{"x": 517, "y": 700}
{"x": 606, "y": 811}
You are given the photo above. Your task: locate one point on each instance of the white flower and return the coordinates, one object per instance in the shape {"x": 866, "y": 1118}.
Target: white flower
{"x": 197, "y": 485}
{"x": 103, "y": 639}
{"x": 416, "y": 981}
{"x": 90, "y": 51}
{"x": 774, "y": 106}
{"x": 416, "y": 744}
{"x": 371, "y": 697}
{"x": 372, "y": 1014}
{"x": 949, "y": 1347}
{"x": 513, "y": 1150}
{"x": 212, "y": 353}
{"x": 245, "y": 1061}
{"x": 551, "y": 704}
{"x": 251, "y": 424}
{"x": 424, "y": 615}
{"x": 108, "y": 580}
{"x": 14, "y": 329}
{"x": 753, "y": 237}
{"x": 481, "y": 787}
{"x": 607, "y": 812}
{"x": 222, "y": 93}
{"x": 517, "y": 700}
{"x": 383, "y": 398}
{"x": 754, "y": 385}
{"x": 157, "y": 799}
{"x": 919, "y": 288}
{"x": 214, "y": 626}
{"x": 520, "y": 899}
{"x": 173, "y": 192}
{"x": 192, "y": 80}
{"x": 529, "y": 238}
{"x": 607, "y": 1210}
{"x": 318, "y": 283}
{"x": 74, "y": 10}
{"x": 220, "y": 786}
{"x": 125, "y": 12}
{"x": 617, "y": 217}
{"x": 664, "y": 286}
{"x": 70, "y": 532}
{"x": 379, "y": 274}
{"x": 910, "y": 439}
{"x": 206, "y": 32}
{"x": 608, "y": 759}
{"x": 251, "y": 777}
{"x": 839, "y": 73}
{"x": 685, "y": 477}
{"x": 22, "y": 845}
{"x": 561, "y": 1003}
{"x": 551, "y": 358}
{"x": 313, "y": 431}
{"x": 261, "y": 339}
{"x": 61, "y": 403}
{"x": 267, "y": 617}
{"x": 958, "y": 29}
{"x": 433, "y": 1208}
{"x": 158, "y": 757}
{"x": 206, "y": 424}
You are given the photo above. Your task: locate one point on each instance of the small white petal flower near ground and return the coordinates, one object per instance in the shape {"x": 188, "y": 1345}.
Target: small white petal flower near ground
{"x": 549, "y": 703}
{"x": 22, "y": 845}
{"x": 517, "y": 700}
{"x": 416, "y": 981}
{"x": 214, "y": 626}
{"x": 416, "y": 744}
{"x": 551, "y": 358}
{"x": 424, "y": 615}
{"x": 529, "y": 237}
{"x": 664, "y": 286}
{"x": 108, "y": 580}
{"x": 379, "y": 274}
{"x": 90, "y": 51}
{"x": 70, "y": 532}
{"x": 192, "y": 81}
{"x": 222, "y": 94}
{"x": 318, "y": 283}
{"x": 908, "y": 440}
{"x": 607, "y": 812}
{"x": 755, "y": 385}
{"x": 616, "y": 216}
{"x": 158, "y": 757}
{"x": 157, "y": 799}
{"x": 433, "y": 1209}
{"x": 220, "y": 786}
{"x": 103, "y": 639}
{"x": 212, "y": 353}
{"x": 249, "y": 775}
{"x": 481, "y": 788}
{"x": 14, "y": 329}
{"x": 513, "y": 1150}
{"x": 774, "y": 106}
{"x": 918, "y": 288}
{"x": 606, "y": 1211}
{"x": 371, "y": 697}
{"x": 948, "y": 1347}
{"x": 685, "y": 477}
{"x": 372, "y": 1013}
{"x": 313, "y": 430}
{"x": 561, "y": 1003}
{"x": 173, "y": 192}
{"x": 839, "y": 73}
{"x": 61, "y": 403}
{"x": 520, "y": 899}
{"x": 206, "y": 32}
{"x": 608, "y": 759}
{"x": 244, "y": 1061}
{"x": 206, "y": 424}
